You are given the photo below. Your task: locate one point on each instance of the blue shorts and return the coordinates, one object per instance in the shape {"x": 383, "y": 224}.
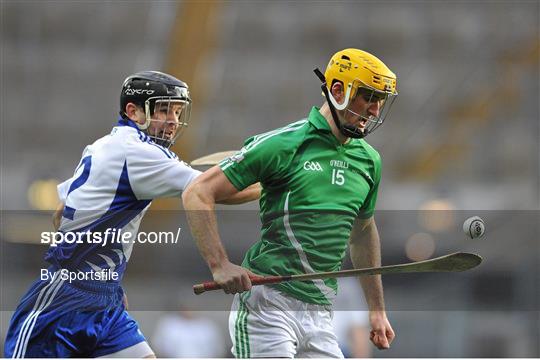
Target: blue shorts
{"x": 60, "y": 319}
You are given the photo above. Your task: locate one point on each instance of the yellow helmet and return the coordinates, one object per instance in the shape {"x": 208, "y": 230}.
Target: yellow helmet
{"x": 361, "y": 74}
{"x": 356, "y": 68}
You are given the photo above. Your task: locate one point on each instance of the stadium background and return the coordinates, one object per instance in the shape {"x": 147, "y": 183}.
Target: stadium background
{"x": 462, "y": 139}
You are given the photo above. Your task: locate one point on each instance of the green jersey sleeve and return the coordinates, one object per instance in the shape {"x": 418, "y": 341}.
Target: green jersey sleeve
{"x": 368, "y": 207}
{"x": 263, "y": 158}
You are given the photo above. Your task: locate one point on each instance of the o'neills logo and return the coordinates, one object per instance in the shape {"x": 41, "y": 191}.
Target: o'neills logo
{"x": 312, "y": 166}
{"x": 139, "y": 92}
{"x": 239, "y": 156}
{"x": 339, "y": 164}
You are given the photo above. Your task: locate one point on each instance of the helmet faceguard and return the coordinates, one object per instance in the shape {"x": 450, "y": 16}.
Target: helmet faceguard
{"x": 166, "y": 119}
{"x": 361, "y": 74}
{"x": 165, "y": 101}
{"x": 372, "y": 95}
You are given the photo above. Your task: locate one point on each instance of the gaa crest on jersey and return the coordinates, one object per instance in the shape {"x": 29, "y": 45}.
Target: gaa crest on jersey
{"x": 312, "y": 166}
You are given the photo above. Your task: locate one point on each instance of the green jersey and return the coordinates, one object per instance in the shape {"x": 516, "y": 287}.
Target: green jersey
{"x": 313, "y": 188}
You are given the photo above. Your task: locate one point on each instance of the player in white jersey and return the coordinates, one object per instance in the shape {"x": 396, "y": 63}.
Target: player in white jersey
{"x": 112, "y": 187}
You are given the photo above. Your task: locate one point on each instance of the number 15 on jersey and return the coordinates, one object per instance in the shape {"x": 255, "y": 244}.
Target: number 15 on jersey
{"x": 337, "y": 177}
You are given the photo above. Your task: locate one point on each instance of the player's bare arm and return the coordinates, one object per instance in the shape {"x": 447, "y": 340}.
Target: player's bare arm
{"x": 57, "y": 215}
{"x": 199, "y": 200}
{"x": 251, "y": 193}
{"x": 366, "y": 252}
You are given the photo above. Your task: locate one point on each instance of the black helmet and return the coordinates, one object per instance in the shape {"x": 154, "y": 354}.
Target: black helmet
{"x": 145, "y": 88}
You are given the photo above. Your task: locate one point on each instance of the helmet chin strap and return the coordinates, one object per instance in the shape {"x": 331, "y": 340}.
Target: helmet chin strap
{"x": 347, "y": 130}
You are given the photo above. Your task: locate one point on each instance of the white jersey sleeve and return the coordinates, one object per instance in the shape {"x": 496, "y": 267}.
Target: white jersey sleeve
{"x": 155, "y": 172}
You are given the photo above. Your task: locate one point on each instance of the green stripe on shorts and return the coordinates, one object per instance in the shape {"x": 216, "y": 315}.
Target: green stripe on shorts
{"x": 241, "y": 334}
{"x": 236, "y": 332}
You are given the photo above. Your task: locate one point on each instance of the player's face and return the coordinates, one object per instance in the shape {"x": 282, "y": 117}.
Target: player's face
{"x": 365, "y": 107}
{"x": 165, "y": 119}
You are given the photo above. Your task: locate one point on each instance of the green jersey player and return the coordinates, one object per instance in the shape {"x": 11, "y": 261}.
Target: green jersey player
{"x": 320, "y": 180}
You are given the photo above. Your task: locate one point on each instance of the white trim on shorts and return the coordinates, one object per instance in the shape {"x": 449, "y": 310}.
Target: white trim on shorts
{"x": 45, "y": 297}
{"x": 140, "y": 350}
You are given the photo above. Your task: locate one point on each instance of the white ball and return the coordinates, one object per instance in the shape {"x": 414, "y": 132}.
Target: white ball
{"x": 474, "y": 227}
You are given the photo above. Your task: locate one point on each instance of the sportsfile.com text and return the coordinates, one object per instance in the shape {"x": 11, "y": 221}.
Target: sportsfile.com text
{"x": 110, "y": 236}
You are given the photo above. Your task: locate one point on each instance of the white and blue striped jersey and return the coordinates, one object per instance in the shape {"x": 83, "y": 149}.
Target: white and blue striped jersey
{"x": 112, "y": 187}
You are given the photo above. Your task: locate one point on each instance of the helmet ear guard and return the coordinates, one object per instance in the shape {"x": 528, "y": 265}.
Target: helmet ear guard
{"x": 345, "y": 129}
{"x": 334, "y": 102}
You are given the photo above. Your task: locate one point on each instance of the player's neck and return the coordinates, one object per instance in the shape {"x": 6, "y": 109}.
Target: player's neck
{"x": 325, "y": 111}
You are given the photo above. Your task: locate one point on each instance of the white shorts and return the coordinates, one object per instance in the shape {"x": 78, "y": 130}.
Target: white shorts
{"x": 265, "y": 322}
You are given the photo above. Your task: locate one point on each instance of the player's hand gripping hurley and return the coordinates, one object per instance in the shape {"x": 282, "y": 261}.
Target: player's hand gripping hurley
{"x": 455, "y": 262}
